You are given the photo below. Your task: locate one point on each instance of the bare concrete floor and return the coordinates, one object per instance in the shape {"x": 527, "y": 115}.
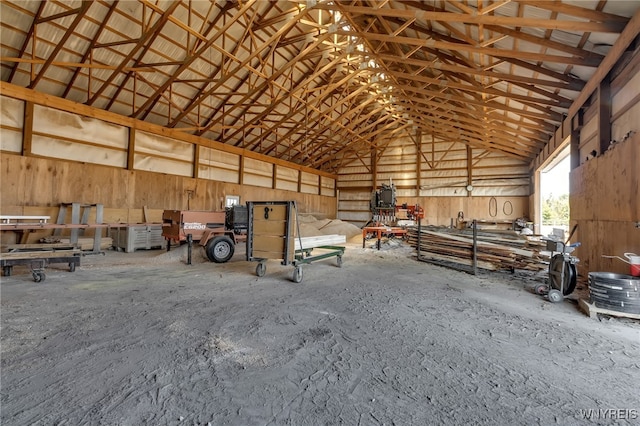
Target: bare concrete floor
{"x": 143, "y": 338}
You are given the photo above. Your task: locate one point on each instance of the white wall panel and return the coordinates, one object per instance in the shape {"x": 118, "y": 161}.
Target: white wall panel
{"x": 258, "y": 173}
{"x": 629, "y": 121}
{"x": 286, "y": 178}
{"x": 219, "y": 165}
{"x": 309, "y": 183}
{"x": 53, "y": 122}
{"x": 327, "y": 186}
{"x": 156, "y": 145}
{"x": 626, "y": 94}
{"x": 10, "y": 140}
{"x": 162, "y": 165}
{"x": 11, "y": 112}
{"x": 67, "y": 150}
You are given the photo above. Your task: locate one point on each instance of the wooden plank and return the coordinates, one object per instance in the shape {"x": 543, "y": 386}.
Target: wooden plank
{"x": 319, "y": 241}
{"x": 40, "y": 254}
{"x": 269, "y": 243}
{"x": 267, "y": 254}
{"x": 276, "y": 212}
{"x": 571, "y": 25}
{"x": 40, "y": 246}
{"x": 271, "y": 227}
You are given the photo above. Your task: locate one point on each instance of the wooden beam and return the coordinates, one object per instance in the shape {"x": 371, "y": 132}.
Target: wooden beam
{"x": 196, "y": 55}
{"x": 131, "y": 148}
{"x": 80, "y": 13}
{"x": 463, "y": 47}
{"x": 631, "y": 31}
{"x": 27, "y": 129}
{"x": 604, "y": 115}
{"x": 152, "y": 32}
{"x": 242, "y": 66}
{"x": 580, "y": 12}
{"x": 92, "y": 44}
{"x": 469, "y": 168}
{"x": 568, "y": 25}
{"x": 28, "y": 39}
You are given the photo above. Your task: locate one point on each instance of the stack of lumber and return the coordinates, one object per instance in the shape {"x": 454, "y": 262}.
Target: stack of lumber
{"x": 84, "y": 243}
{"x": 494, "y": 252}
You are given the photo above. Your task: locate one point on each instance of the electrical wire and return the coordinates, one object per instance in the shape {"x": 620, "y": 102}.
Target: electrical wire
{"x": 493, "y": 207}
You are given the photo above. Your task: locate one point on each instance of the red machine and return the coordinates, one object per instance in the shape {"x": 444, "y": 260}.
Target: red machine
{"x": 218, "y": 232}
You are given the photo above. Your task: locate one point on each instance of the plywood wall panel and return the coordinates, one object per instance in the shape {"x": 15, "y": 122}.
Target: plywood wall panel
{"x": 35, "y": 183}
{"x": 605, "y": 204}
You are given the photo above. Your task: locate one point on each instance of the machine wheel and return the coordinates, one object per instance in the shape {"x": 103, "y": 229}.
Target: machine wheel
{"x": 555, "y": 296}
{"x": 72, "y": 267}
{"x": 261, "y": 269}
{"x": 297, "y": 274}
{"x": 542, "y": 289}
{"x": 570, "y": 274}
{"x": 220, "y": 249}
{"x": 339, "y": 261}
{"x": 6, "y": 271}
{"x": 38, "y": 276}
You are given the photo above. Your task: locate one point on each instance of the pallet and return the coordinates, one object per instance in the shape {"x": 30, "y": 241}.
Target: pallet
{"x": 593, "y": 311}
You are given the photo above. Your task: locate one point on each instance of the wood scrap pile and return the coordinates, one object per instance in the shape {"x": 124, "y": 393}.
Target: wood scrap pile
{"x": 494, "y": 252}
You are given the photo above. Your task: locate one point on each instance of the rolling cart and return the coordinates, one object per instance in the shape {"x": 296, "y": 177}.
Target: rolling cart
{"x": 38, "y": 259}
{"x": 271, "y": 234}
{"x": 562, "y": 271}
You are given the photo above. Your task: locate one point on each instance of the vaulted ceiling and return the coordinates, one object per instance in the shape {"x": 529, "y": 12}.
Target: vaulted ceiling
{"x": 319, "y": 83}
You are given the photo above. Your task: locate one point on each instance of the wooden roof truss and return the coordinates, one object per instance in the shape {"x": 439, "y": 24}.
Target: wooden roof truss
{"x": 320, "y": 83}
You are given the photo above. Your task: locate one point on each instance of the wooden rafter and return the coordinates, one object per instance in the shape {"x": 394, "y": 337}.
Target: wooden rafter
{"x": 322, "y": 83}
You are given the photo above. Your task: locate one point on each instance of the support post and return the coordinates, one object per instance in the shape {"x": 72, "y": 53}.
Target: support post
{"x": 475, "y": 248}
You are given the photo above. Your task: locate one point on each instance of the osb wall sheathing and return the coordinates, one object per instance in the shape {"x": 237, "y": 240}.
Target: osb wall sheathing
{"x": 605, "y": 204}
{"x": 37, "y": 186}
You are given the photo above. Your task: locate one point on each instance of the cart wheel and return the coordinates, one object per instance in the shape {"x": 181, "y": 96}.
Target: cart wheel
{"x": 6, "y": 271}
{"x": 555, "y": 296}
{"x": 542, "y": 289}
{"x": 297, "y": 274}
{"x": 72, "y": 267}
{"x": 38, "y": 276}
{"x": 339, "y": 261}
{"x": 261, "y": 269}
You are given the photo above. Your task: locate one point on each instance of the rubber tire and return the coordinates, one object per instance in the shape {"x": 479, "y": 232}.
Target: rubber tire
{"x": 297, "y": 274}
{"x": 72, "y": 267}
{"x": 39, "y": 276}
{"x": 542, "y": 289}
{"x": 555, "y": 296}
{"x": 339, "y": 261}
{"x": 220, "y": 249}
{"x": 261, "y": 269}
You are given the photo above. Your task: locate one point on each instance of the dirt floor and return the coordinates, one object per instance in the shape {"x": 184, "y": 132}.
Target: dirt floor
{"x": 144, "y": 338}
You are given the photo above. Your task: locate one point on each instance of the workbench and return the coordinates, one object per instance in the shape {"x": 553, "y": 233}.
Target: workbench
{"x": 39, "y": 256}
{"x": 380, "y": 231}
